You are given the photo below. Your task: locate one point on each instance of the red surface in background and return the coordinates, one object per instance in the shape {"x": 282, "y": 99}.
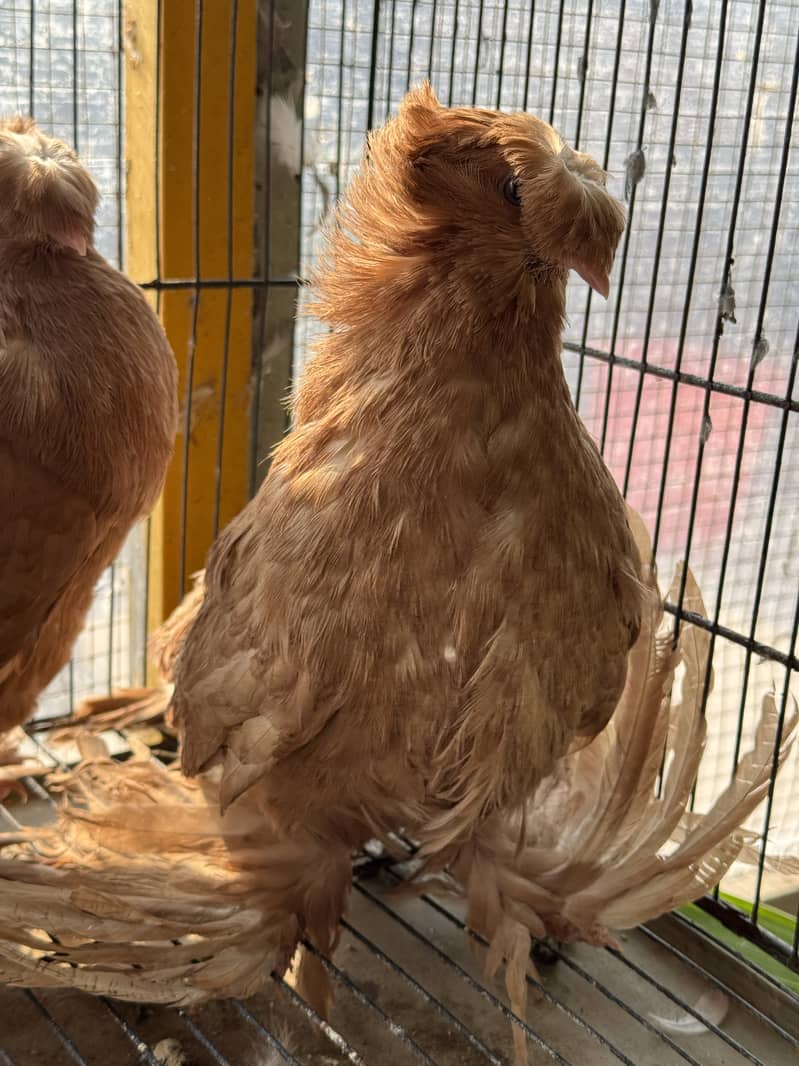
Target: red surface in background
{"x": 652, "y": 433}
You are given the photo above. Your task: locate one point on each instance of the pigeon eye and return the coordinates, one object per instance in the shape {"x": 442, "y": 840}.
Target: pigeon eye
{"x": 510, "y": 190}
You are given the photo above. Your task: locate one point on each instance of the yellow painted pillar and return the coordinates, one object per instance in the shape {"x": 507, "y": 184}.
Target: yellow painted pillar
{"x": 189, "y": 200}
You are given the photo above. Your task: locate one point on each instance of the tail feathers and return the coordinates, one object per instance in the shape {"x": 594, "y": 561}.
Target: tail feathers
{"x": 671, "y": 855}
{"x": 600, "y": 848}
{"x": 154, "y": 897}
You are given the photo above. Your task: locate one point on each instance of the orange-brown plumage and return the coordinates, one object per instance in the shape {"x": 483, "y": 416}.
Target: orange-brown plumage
{"x": 87, "y": 410}
{"x": 436, "y": 588}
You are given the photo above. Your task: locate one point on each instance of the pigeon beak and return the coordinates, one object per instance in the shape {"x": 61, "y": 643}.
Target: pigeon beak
{"x": 596, "y": 277}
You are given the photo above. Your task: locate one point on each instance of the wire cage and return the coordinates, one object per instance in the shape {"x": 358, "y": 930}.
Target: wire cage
{"x": 220, "y": 133}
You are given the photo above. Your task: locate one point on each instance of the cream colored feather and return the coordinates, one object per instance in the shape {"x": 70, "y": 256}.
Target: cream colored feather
{"x": 601, "y": 848}
{"x": 140, "y": 858}
{"x": 14, "y": 765}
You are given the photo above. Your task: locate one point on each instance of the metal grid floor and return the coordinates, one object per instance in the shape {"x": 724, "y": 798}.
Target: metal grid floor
{"x": 410, "y": 988}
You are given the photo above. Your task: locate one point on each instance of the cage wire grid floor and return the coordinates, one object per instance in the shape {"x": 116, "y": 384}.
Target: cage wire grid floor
{"x": 410, "y": 988}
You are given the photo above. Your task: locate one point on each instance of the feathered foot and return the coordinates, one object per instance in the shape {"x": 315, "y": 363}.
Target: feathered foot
{"x": 604, "y": 847}
{"x": 546, "y": 952}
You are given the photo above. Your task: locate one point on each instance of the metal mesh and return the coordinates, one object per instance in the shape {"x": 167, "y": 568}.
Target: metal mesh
{"x": 686, "y": 376}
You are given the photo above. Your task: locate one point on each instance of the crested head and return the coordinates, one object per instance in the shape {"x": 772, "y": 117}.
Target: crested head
{"x": 497, "y": 203}
{"x": 46, "y": 194}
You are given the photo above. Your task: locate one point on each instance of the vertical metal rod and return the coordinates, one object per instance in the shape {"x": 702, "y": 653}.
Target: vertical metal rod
{"x": 410, "y": 44}
{"x": 120, "y": 254}
{"x": 195, "y": 312}
{"x": 255, "y": 409}
{"x": 786, "y": 699}
{"x": 766, "y": 538}
{"x": 159, "y": 277}
{"x": 290, "y": 382}
{"x": 711, "y": 373}
{"x": 529, "y": 54}
{"x": 340, "y": 125}
{"x": 589, "y": 15}
{"x": 433, "y": 16}
{"x": 558, "y": 42}
{"x": 157, "y": 134}
{"x": 120, "y": 133}
{"x": 477, "y": 53}
{"x": 75, "y": 105}
{"x": 390, "y": 59}
{"x": 689, "y": 287}
{"x": 76, "y": 143}
{"x": 665, "y": 202}
{"x": 502, "y": 47}
{"x": 619, "y": 286}
{"x": 370, "y": 113}
{"x": 614, "y": 85}
{"x": 32, "y": 60}
{"x": 453, "y": 47}
{"x": 147, "y": 544}
{"x": 231, "y": 146}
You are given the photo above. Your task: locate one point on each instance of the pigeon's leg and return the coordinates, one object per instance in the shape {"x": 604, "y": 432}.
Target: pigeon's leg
{"x": 546, "y": 952}
{"x": 317, "y": 877}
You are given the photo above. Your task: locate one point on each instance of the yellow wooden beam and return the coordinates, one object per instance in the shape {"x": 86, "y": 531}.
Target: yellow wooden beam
{"x": 196, "y": 163}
